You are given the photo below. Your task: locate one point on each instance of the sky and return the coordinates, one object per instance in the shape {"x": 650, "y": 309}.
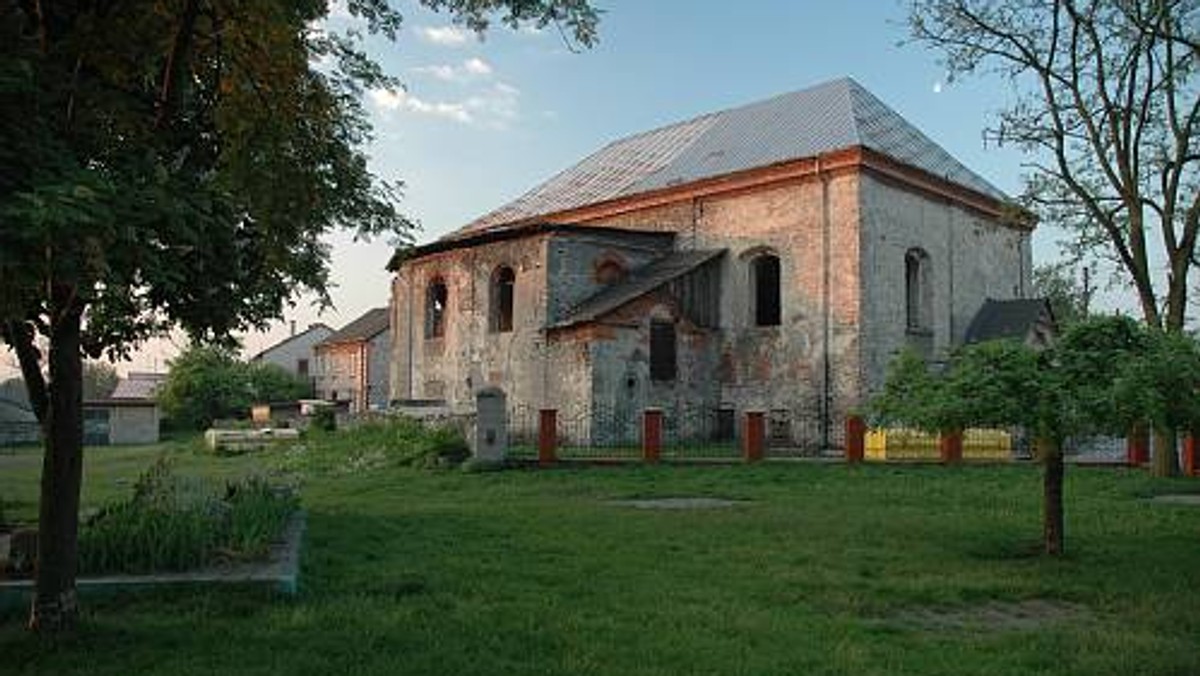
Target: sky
{"x": 482, "y": 121}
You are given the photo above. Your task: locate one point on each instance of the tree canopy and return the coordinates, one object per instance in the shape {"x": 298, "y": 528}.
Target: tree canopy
{"x": 207, "y": 383}
{"x": 1107, "y": 104}
{"x": 174, "y": 163}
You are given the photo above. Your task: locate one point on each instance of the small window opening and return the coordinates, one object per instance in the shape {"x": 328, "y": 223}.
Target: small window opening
{"x": 918, "y": 291}
{"x": 662, "y": 351}
{"x": 435, "y": 309}
{"x": 609, "y": 272}
{"x": 503, "y": 285}
{"x": 765, "y": 279}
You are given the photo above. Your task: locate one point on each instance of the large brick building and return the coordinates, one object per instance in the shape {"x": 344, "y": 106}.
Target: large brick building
{"x": 771, "y": 257}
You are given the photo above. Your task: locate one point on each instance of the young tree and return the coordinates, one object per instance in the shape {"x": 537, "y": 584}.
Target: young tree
{"x": 1056, "y": 393}
{"x": 204, "y": 383}
{"x": 1109, "y": 109}
{"x": 175, "y": 163}
{"x": 1069, "y": 298}
{"x": 1162, "y": 386}
{"x": 208, "y": 382}
{"x": 99, "y": 379}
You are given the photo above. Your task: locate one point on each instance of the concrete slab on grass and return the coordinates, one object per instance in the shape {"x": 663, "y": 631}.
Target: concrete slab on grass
{"x": 281, "y": 571}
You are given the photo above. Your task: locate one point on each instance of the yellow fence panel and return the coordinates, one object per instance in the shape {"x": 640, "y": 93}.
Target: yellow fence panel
{"x": 900, "y": 443}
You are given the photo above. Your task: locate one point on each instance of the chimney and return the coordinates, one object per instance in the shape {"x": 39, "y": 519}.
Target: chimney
{"x": 293, "y": 327}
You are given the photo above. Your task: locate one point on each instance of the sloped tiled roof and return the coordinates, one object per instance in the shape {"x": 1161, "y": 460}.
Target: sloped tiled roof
{"x": 640, "y": 282}
{"x": 830, "y": 116}
{"x": 366, "y": 327}
{"x": 311, "y": 328}
{"x": 1013, "y": 319}
{"x": 138, "y": 386}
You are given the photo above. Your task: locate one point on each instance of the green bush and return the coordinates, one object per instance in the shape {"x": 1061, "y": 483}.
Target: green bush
{"x": 324, "y": 418}
{"x": 171, "y": 523}
{"x": 393, "y": 442}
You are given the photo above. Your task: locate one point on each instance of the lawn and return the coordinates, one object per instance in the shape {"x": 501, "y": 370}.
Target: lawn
{"x": 819, "y": 569}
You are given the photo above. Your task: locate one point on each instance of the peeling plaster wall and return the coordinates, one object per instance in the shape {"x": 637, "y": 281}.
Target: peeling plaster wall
{"x": 534, "y": 372}
{"x": 572, "y": 259}
{"x": 782, "y": 368}
{"x": 841, "y": 238}
{"x": 973, "y": 258}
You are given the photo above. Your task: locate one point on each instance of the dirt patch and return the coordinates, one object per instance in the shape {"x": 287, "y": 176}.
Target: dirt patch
{"x": 992, "y": 616}
{"x": 679, "y": 503}
{"x": 1178, "y": 499}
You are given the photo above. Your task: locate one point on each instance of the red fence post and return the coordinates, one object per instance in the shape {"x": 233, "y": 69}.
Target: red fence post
{"x": 950, "y": 444}
{"x": 1189, "y": 454}
{"x": 547, "y": 436}
{"x": 856, "y": 439}
{"x": 652, "y": 425}
{"x": 754, "y": 436}
{"x": 1137, "y": 445}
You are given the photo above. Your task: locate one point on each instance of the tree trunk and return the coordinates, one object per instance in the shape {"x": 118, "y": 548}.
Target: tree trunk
{"x": 1052, "y": 496}
{"x": 55, "y": 607}
{"x": 1165, "y": 459}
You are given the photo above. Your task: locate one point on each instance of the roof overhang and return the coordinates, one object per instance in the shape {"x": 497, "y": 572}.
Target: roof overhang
{"x": 509, "y": 232}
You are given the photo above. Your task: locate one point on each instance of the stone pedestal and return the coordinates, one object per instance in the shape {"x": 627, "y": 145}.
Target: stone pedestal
{"x": 491, "y": 425}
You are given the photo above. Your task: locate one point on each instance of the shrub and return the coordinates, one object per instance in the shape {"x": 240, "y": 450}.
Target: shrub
{"x": 172, "y": 523}
{"x": 392, "y": 442}
{"x": 324, "y": 418}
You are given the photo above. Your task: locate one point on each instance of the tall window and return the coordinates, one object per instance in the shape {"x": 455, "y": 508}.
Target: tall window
{"x": 500, "y": 313}
{"x": 662, "y": 351}
{"x": 918, "y": 291}
{"x": 435, "y": 309}
{"x": 764, "y": 279}
{"x": 609, "y": 272}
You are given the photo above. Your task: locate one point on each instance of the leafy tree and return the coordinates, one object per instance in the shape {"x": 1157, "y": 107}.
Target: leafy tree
{"x": 99, "y": 379}
{"x": 175, "y": 163}
{"x": 271, "y": 382}
{"x": 1162, "y": 386}
{"x": 204, "y": 383}
{"x": 1069, "y": 298}
{"x": 1108, "y": 105}
{"x": 1056, "y": 393}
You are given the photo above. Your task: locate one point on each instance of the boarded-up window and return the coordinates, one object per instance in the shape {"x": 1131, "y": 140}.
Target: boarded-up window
{"x": 435, "y": 309}
{"x": 918, "y": 291}
{"x": 764, "y": 274}
{"x": 779, "y": 427}
{"x": 501, "y": 311}
{"x": 662, "y": 351}
{"x": 609, "y": 272}
{"x": 723, "y": 429}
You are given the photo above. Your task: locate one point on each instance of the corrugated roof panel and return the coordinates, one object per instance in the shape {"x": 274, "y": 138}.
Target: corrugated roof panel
{"x": 824, "y": 118}
{"x": 605, "y": 174}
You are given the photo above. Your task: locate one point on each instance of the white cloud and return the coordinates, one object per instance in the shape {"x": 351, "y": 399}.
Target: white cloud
{"x": 496, "y": 106}
{"x": 390, "y": 100}
{"x": 937, "y": 87}
{"x": 469, "y": 69}
{"x": 446, "y": 36}
{"x": 477, "y": 66}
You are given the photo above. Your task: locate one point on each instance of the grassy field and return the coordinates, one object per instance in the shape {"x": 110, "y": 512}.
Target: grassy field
{"x": 820, "y": 569}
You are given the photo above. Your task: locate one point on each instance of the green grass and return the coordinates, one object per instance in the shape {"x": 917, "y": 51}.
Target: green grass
{"x": 537, "y": 572}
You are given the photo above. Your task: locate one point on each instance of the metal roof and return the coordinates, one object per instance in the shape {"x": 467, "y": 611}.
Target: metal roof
{"x": 641, "y": 281}
{"x": 366, "y": 327}
{"x": 139, "y": 386}
{"x": 1014, "y": 319}
{"x": 831, "y": 116}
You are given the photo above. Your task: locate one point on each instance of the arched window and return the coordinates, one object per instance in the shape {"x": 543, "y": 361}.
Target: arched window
{"x": 765, "y": 283}
{"x": 500, "y": 312}
{"x": 435, "y": 308}
{"x": 918, "y": 291}
{"x": 609, "y": 272}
